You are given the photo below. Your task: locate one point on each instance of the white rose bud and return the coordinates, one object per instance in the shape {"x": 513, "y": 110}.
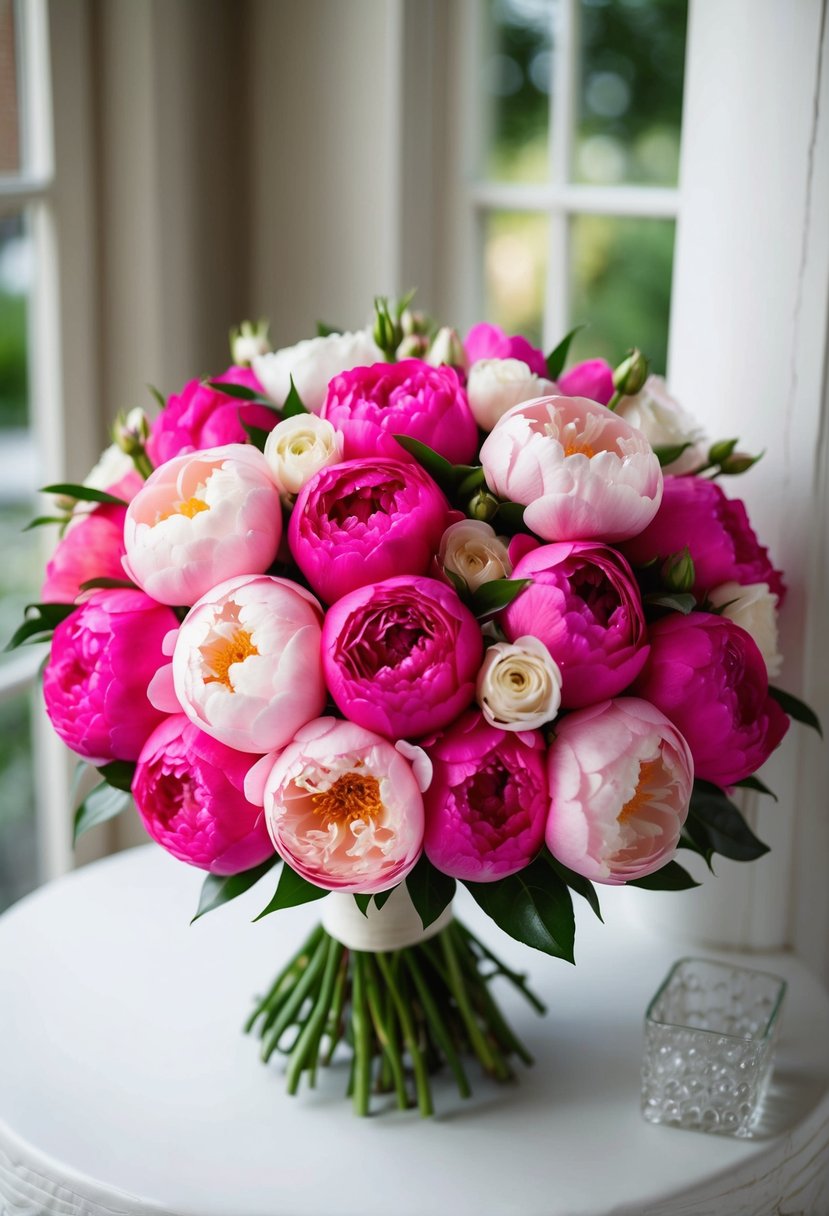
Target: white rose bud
{"x": 313, "y": 363}
{"x": 248, "y": 342}
{"x": 299, "y": 447}
{"x": 471, "y": 550}
{"x": 496, "y": 385}
{"x": 664, "y": 423}
{"x": 754, "y": 608}
{"x": 519, "y": 685}
{"x": 447, "y": 348}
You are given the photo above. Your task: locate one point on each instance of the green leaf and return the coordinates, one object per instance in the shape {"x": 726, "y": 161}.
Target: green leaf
{"x": 219, "y": 889}
{"x": 327, "y": 331}
{"x": 558, "y": 357}
{"x": 293, "y": 403}
{"x": 796, "y": 709}
{"x": 670, "y": 877}
{"x": 754, "y": 783}
{"x": 430, "y": 891}
{"x": 242, "y": 393}
{"x": 509, "y": 516}
{"x": 437, "y": 466}
{"x": 39, "y": 627}
{"x": 158, "y": 395}
{"x": 714, "y": 822}
{"x": 110, "y": 584}
{"x": 534, "y": 906}
{"x": 681, "y": 601}
{"x": 381, "y": 897}
{"x": 701, "y": 848}
{"x": 362, "y": 901}
{"x": 291, "y": 891}
{"x": 119, "y": 774}
{"x": 667, "y": 453}
{"x": 577, "y": 882}
{"x": 256, "y": 434}
{"x": 491, "y": 597}
{"x": 101, "y": 804}
{"x": 44, "y": 519}
{"x": 83, "y": 493}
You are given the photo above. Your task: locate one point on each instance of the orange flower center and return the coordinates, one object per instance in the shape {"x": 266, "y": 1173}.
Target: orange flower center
{"x": 643, "y": 794}
{"x": 220, "y": 656}
{"x": 578, "y": 445}
{"x": 352, "y": 796}
{"x": 190, "y": 507}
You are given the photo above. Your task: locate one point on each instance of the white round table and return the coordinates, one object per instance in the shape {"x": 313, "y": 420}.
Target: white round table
{"x": 126, "y": 1085}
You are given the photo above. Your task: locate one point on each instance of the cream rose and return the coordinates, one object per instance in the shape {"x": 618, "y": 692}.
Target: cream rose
{"x": 496, "y": 385}
{"x": 299, "y": 447}
{"x": 754, "y": 608}
{"x": 471, "y": 550}
{"x": 519, "y": 685}
{"x": 312, "y": 363}
{"x": 664, "y": 423}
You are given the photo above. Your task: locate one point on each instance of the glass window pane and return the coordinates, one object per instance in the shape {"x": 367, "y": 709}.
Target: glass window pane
{"x": 621, "y": 286}
{"x": 18, "y": 840}
{"x": 515, "y": 82}
{"x": 632, "y": 59}
{"x": 515, "y": 269}
{"x": 9, "y": 104}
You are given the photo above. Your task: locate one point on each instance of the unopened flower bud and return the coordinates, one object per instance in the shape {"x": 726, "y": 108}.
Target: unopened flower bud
{"x": 482, "y": 505}
{"x": 414, "y": 322}
{"x": 447, "y": 348}
{"x": 631, "y": 374}
{"x": 131, "y": 431}
{"x": 386, "y": 332}
{"x": 720, "y": 451}
{"x": 248, "y": 342}
{"x": 739, "y": 462}
{"x": 413, "y": 346}
{"x": 678, "y": 572}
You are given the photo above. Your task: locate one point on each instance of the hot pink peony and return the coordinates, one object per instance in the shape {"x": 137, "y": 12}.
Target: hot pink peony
{"x": 487, "y": 803}
{"x": 92, "y": 548}
{"x": 203, "y": 417}
{"x": 695, "y": 513}
{"x": 95, "y": 684}
{"x": 584, "y": 605}
{"x": 189, "y": 791}
{"x": 486, "y": 341}
{"x": 364, "y": 521}
{"x": 581, "y": 472}
{"x": 201, "y": 519}
{"x": 707, "y": 675}
{"x": 344, "y": 809}
{"x": 370, "y": 405}
{"x": 621, "y": 777}
{"x": 401, "y": 656}
{"x": 593, "y": 378}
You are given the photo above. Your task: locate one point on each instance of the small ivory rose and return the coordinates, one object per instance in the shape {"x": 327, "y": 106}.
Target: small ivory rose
{"x": 753, "y": 608}
{"x": 496, "y": 385}
{"x": 299, "y": 447}
{"x": 312, "y": 364}
{"x": 519, "y": 685}
{"x": 471, "y": 550}
{"x": 664, "y": 423}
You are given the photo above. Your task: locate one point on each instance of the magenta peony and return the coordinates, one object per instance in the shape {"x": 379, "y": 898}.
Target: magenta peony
{"x": 581, "y": 472}
{"x": 95, "y": 684}
{"x": 593, "y": 378}
{"x": 707, "y": 675}
{"x": 201, "y": 519}
{"x": 203, "y": 417}
{"x": 584, "y": 605}
{"x": 92, "y": 548}
{"x": 486, "y": 341}
{"x": 344, "y": 809}
{"x": 364, "y": 521}
{"x": 370, "y": 405}
{"x": 487, "y": 803}
{"x": 620, "y": 784}
{"x": 401, "y": 656}
{"x": 189, "y": 791}
{"x": 696, "y": 514}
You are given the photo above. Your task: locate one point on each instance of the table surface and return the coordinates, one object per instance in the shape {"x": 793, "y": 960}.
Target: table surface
{"x": 126, "y": 1085}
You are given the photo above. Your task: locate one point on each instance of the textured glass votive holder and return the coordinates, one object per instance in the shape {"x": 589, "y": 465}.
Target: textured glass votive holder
{"x": 710, "y": 1034}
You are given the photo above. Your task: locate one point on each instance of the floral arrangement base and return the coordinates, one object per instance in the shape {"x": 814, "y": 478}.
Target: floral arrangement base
{"x": 404, "y": 1013}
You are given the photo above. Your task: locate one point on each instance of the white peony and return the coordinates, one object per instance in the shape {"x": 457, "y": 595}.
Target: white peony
{"x": 471, "y": 550}
{"x": 519, "y": 685}
{"x": 754, "y": 608}
{"x": 313, "y": 363}
{"x": 665, "y": 423}
{"x": 299, "y": 447}
{"x": 496, "y": 385}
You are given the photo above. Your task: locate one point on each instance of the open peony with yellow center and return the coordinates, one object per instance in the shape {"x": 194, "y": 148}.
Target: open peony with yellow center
{"x": 519, "y": 685}
{"x": 344, "y": 808}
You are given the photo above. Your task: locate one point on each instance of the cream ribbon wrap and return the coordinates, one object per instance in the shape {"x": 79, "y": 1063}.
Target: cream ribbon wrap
{"x": 391, "y": 927}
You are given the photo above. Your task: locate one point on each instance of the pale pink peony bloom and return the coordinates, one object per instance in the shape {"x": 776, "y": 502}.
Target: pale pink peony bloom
{"x": 363, "y": 521}
{"x": 189, "y": 791}
{"x": 593, "y": 378}
{"x": 246, "y": 663}
{"x": 344, "y": 809}
{"x": 487, "y": 802}
{"x": 621, "y": 777}
{"x": 203, "y": 417}
{"x": 103, "y": 657}
{"x": 201, "y": 519}
{"x": 312, "y": 364}
{"x": 581, "y": 472}
{"x": 401, "y": 656}
{"x": 496, "y": 385}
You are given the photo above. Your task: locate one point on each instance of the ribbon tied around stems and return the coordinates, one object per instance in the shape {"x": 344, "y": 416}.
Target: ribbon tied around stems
{"x": 392, "y": 927}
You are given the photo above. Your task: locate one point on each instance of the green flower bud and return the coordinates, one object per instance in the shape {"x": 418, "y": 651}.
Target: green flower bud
{"x": 678, "y": 572}
{"x": 414, "y": 322}
{"x": 247, "y": 341}
{"x": 446, "y": 348}
{"x": 631, "y": 374}
{"x": 131, "y": 431}
{"x": 482, "y": 505}
{"x": 739, "y": 462}
{"x": 387, "y": 332}
{"x": 413, "y": 346}
{"x": 720, "y": 451}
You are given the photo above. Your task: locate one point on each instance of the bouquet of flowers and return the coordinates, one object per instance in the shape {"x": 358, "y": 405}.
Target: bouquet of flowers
{"x": 386, "y": 611}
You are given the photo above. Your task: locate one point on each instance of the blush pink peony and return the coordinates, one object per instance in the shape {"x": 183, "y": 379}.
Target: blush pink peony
{"x": 364, "y": 521}
{"x": 370, "y": 405}
{"x": 593, "y": 378}
{"x": 203, "y": 417}
{"x": 95, "y": 684}
{"x": 584, "y": 605}
{"x": 486, "y": 341}
{"x": 487, "y": 802}
{"x": 580, "y": 472}
{"x": 401, "y": 656}
{"x": 189, "y": 792}
{"x": 707, "y": 675}
{"x": 344, "y": 809}
{"x": 621, "y": 777}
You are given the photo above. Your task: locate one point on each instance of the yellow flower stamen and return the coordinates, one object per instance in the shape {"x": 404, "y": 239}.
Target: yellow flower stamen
{"x": 190, "y": 507}
{"x": 352, "y": 796}
{"x": 576, "y": 446}
{"x": 642, "y": 795}
{"x": 221, "y": 655}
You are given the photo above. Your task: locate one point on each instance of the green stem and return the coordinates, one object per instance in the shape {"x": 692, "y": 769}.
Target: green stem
{"x": 386, "y": 1034}
{"x": 362, "y": 1037}
{"x": 305, "y": 1050}
{"x": 518, "y": 980}
{"x": 336, "y": 1025}
{"x": 298, "y": 960}
{"x": 424, "y": 1096}
{"x": 438, "y": 1026}
{"x": 293, "y": 1004}
{"x": 485, "y": 1052}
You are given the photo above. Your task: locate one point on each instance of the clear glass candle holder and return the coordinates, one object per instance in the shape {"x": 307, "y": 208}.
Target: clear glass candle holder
{"x": 710, "y": 1035}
